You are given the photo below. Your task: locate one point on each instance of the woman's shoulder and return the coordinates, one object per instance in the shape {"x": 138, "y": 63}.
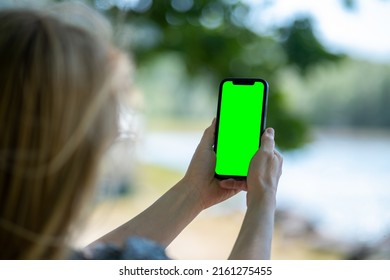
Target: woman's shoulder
{"x": 135, "y": 248}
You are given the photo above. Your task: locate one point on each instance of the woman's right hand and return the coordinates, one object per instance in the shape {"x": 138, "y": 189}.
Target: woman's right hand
{"x": 264, "y": 172}
{"x": 255, "y": 237}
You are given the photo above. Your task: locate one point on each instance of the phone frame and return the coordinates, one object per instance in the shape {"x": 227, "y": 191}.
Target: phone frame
{"x": 240, "y": 81}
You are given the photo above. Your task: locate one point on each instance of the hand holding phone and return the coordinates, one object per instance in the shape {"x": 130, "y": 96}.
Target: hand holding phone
{"x": 241, "y": 117}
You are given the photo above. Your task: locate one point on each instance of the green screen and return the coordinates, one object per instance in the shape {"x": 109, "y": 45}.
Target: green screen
{"x": 239, "y": 127}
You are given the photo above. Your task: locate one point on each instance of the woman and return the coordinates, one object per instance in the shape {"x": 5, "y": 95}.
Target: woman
{"x": 58, "y": 113}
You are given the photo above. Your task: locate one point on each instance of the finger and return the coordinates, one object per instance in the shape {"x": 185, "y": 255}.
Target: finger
{"x": 279, "y": 162}
{"x": 278, "y": 155}
{"x": 268, "y": 141}
{"x": 207, "y": 140}
{"x": 232, "y": 184}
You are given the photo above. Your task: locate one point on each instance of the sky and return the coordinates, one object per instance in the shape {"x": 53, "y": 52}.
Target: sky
{"x": 363, "y": 32}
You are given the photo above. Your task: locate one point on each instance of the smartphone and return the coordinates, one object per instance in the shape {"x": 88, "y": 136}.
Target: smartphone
{"x": 240, "y": 122}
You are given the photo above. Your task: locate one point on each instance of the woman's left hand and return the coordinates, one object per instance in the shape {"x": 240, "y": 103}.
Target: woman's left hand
{"x": 200, "y": 174}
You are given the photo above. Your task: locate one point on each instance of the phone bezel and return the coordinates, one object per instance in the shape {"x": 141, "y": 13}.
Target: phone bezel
{"x": 240, "y": 81}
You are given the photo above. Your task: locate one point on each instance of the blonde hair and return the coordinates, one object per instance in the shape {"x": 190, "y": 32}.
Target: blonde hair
{"x": 58, "y": 112}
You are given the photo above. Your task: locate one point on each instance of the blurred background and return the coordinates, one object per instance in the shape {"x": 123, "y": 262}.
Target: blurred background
{"x": 328, "y": 66}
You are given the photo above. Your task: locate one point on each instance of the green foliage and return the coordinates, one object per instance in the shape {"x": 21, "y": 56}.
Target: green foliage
{"x": 215, "y": 39}
{"x": 291, "y": 131}
{"x": 302, "y": 47}
{"x": 210, "y": 38}
{"x": 355, "y": 93}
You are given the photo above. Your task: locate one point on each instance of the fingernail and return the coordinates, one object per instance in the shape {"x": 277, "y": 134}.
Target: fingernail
{"x": 270, "y": 132}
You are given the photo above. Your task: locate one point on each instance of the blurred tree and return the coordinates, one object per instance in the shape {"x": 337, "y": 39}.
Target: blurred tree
{"x": 353, "y": 94}
{"x": 302, "y": 47}
{"x": 349, "y": 4}
{"x": 215, "y": 39}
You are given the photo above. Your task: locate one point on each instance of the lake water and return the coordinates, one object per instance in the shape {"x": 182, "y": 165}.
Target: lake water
{"x": 340, "y": 181}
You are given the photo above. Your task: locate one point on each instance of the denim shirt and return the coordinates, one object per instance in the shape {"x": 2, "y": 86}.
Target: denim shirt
{"x": 135, "y": 248}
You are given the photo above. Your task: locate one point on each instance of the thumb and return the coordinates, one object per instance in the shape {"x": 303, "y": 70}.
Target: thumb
{"x": 267, "y": 140}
